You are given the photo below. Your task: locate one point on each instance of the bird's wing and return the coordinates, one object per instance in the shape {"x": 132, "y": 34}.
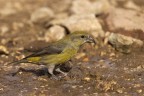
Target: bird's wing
{"x": 38, "y": 54}
{"x": 51, "y": 49}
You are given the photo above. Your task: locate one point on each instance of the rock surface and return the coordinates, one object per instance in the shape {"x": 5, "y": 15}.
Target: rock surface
{"x": 123, "y": 43}
{"x": 88, "y": 7}
{"x": 126, "y": 22}
{"x": 81, "y": 23}
{"x": 54, "y": 33}
{"x": 43, "y": 14}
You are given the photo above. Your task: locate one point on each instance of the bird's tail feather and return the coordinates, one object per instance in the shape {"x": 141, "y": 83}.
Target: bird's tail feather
{"x": 19, "y": 61}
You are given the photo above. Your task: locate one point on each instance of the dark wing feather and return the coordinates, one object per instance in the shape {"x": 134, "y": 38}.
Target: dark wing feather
{"x": 51, "y": 49}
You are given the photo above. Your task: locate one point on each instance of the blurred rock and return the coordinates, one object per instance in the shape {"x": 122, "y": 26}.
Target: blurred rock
{"x": 126, "y": 22}
{"x": 120, "y": 90}
{"x": 17, "y": 26}
{"x": 86, "y": 23}
{"x": 123, "y": 43}
{"x": 3, "y": 50}
{"x": 87, "y": 7}
{"x": 54, "y": 33}
{"x": 41, "y": 15}
{"x": 59, "y": 6}
{"x": 113, "y": 2}
{"x": 3, "y": 30}
{"x": 8, "y": 10}
{"x": 61, "y": 15}
{"x": 132, "y": 5}
{"x": 80, "y": 55}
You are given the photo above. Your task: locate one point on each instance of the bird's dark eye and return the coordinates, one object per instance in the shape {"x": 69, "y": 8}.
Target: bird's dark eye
{"x": 82, "y": 36}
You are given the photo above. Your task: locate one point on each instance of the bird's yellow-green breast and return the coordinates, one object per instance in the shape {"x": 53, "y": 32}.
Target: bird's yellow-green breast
{"x": 66, "y": 55}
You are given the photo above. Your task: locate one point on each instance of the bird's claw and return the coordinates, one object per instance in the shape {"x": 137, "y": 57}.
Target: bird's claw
{"x": 64, "y": 73}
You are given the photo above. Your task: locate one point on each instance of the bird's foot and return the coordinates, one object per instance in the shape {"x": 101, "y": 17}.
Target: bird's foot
{"x": 64, "y": 73}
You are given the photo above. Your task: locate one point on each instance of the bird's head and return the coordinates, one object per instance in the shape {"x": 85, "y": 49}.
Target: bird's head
{"x": 79, "y": 38}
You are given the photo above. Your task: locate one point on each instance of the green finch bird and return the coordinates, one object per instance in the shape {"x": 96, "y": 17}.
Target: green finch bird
{"x": 58, "y": 52}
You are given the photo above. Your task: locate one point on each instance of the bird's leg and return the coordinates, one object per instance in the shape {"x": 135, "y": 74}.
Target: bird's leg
{"x": 58, "y": 70}
{"x": 51, "y": 69}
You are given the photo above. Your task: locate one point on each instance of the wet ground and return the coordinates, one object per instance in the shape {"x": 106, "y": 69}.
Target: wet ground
{"x": 95, "y": 71}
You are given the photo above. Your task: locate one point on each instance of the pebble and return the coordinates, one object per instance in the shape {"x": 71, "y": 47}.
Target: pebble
{"x": 119, "y": 90}
{"x": 3, "y": 30}
{"x": 87, "y": 79}
{"x": 3, "y": 50}
{"x": 139, "y": 91}
{"x": 54, "y": 33}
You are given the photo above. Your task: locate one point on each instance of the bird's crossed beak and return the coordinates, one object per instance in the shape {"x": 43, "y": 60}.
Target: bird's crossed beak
{"x": 90, "y": 39}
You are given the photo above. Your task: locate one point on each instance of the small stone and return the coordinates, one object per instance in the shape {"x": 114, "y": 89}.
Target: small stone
{"x": 102, "y": 53}
{"x": 86, "y": 59}
{"x": 4, "y": 29}
{"x": 87, "y": 79}
{"x": 117, "y": 38}
{"x": 54, "y": 33}
{"x": 119, "y": 90}
{"x": 139, "y": 91}
{"x": 123, "y": 43}
{"x": 3, "y": 50}
{"x": 139, "y": 67}
{"x": 112, "y": 54}
{"x": 41, "y": 15}
{"x": 137, "y": 85}
{"x": 74, "y": 87}
{"x": 42, "y": 79}
{"x": 80, "y": 55}
{"x": 1, "y": 89}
